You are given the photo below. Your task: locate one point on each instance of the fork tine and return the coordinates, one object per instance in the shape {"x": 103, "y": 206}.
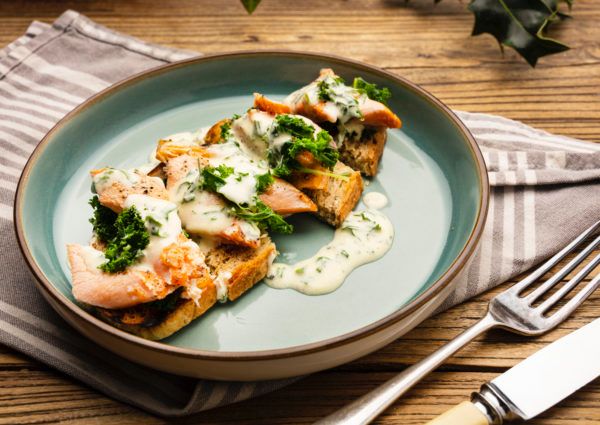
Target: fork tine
{"x": 567, "y": 287}
{"x": 544, "y": 268}
{"x": 574, "y": 302}
{"x": 558, "y": 276}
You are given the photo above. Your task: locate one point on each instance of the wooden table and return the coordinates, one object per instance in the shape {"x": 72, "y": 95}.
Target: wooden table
{"x": 431, "y": 46}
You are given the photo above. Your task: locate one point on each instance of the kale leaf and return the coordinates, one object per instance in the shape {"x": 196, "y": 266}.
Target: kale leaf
{"x": 325, "y": 91}
{"x": 264, "y": 217}
{"x": 214, "y": 177}
{"x": 129, "y": 240}
{"x": 103, "y": 220}
{"x": 295, "y": 126}
{"x": 263, "y": 181}
{"x": 284, "y": 161}
{"x": 225, "y": 130}
{"x": 371, "y": 90}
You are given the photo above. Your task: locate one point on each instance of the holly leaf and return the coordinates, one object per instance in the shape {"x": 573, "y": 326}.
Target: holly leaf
{"x": 250, "y": 5}
{"x": 520, "y": 24}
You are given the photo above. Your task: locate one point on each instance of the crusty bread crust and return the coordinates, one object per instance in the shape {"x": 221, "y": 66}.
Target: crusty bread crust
{"x": 186, "y": 311}
{"x": 339, "y": 197}
{"x": 364, "y": 154}
{"x": 247, "y": 266}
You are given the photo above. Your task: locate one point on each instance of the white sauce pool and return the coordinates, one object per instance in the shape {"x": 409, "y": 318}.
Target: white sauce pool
{"x": 375, "y": 200}
{"x": 365, "y": 236}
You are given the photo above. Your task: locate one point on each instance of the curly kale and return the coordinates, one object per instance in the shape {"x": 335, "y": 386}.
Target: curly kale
{"x": 129, "y": 239}
{"x": 103, "y": 220}
{"x": 284, "y": 161}
{"x": 214, "y": 177}
{"x": 295, "y": 126}
{"x": 371, "y": 90}
{"x": 263, "y": 181}
{"x": 325, "y": 90}
{"x": 264, "y": 217}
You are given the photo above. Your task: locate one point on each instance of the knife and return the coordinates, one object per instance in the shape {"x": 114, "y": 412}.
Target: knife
{"x": 534, "y": 385}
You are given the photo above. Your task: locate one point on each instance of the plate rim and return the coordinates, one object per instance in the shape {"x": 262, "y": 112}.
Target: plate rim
{"x": 45, "y": 286}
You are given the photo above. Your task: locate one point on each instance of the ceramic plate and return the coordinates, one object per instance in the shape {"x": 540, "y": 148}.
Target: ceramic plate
{"x": 431, "y": 172}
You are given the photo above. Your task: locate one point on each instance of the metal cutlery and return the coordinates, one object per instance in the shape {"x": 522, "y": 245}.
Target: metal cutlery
{"x": 535, "y": 384}
{"x": 510, "y": 310}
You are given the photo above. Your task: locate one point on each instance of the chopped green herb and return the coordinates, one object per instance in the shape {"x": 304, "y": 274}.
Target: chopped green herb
{"x": 325, "y": 88}
{"x": 154, "y": 225}
{"x": 345, "y": 253}
{"x": 294, "y": 126}
{"x": 350, "y": 228}
{"x": 371, "y": 90}
{"x": 129, "y": 240}
{"x": 299, "y": 270}
{"x": 240, "y": 176}
{"x": 321, "y": 147}
{"x": 225, "y": 130}
{"x": 214, "y": 177}
{"x": 264, "y": 217}
{"x": 103, "y": 220}
{"x": 365, "y": 217}
{"x": 263, "y": 181}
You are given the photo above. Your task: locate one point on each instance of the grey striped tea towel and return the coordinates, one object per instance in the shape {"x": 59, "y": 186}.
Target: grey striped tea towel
{"x": 545, "y": 190}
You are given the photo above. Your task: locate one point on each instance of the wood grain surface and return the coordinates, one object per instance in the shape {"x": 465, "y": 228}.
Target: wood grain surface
{"x": 427, "y": 44}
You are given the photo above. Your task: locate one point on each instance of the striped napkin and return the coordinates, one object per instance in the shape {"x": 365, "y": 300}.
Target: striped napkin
{"x": 544, "y": 190}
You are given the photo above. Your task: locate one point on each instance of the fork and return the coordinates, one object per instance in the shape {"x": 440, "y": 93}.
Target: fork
{"x": 510, "y": 310}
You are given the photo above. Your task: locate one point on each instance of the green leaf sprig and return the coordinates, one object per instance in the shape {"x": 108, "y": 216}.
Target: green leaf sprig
{"x": 250, "y": 5}
{"x": 371, "y": 90}
{"x": 519, "y": 24}
{"x": 214, "y": 177}
{"x": 124, "y": 234}
{"x": 264, "y": 217}
{"x": 283, "y": 161}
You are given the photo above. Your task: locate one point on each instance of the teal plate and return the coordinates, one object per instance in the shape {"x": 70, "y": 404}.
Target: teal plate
{"x": 432, "y": 174}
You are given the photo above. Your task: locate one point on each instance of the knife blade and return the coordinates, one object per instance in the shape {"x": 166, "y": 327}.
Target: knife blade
{"x": 535, "y": 384}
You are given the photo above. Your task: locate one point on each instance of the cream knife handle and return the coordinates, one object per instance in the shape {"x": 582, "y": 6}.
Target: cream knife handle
{"x": 369, "y": 406}
{"x": 465, "y": 413}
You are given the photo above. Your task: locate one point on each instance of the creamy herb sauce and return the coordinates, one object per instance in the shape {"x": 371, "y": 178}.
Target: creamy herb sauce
{"x": 257, "y": 130}
{"x": 239, "y": 187}
{"x": 221, "y": 282}
{"x": 342, "y": 104}
{"x": 365, "y": 236}
{"x": 109, "y": 176}
{"x": 187, "y": 138}
{"x": 162, "y": 222}
{"x": 205, "y": 213}
{"x": 375, "y": 200}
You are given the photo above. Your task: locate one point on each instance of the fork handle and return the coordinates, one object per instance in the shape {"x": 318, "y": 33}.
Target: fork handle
{"x": 369, "y": 406}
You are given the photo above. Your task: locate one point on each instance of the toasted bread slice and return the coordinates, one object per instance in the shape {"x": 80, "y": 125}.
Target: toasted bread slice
{"x": 246, "y": 266}
{"x": 154, "y": 324}
{"x": 364, "y": 154}
{"x": 338, "y": 197}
